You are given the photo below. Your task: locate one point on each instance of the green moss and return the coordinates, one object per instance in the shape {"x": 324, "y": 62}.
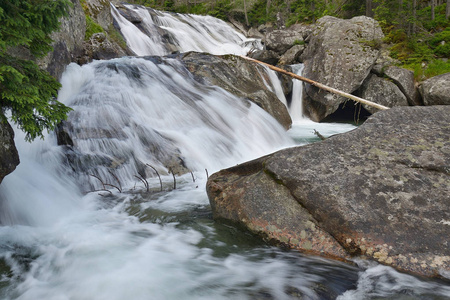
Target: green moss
{"x": 116, "y": 37}
{"x": 91, "y": 28}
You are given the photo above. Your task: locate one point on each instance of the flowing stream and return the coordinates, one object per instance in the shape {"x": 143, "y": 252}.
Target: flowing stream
{"x": 64, "y": 236}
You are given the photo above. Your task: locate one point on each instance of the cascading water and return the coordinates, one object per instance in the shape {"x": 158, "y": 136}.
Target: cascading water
{"x": 295, "y": 107}
{"x": 59, "y": 243}
{"x": 160, "y": 33}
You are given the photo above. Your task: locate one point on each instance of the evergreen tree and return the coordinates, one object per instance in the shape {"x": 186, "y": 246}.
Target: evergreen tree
{"x": 28, "y": 92}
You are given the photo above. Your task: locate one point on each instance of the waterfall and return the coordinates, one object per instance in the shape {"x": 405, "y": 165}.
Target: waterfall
{"x": 296, "y": 107}
{"x": 160, "y": 33}
{"x": 133, "y": 112}
{"x": 59, "y": 241}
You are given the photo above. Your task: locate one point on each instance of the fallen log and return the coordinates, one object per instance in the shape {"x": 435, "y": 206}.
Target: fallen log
{"x": 319, "y": 85}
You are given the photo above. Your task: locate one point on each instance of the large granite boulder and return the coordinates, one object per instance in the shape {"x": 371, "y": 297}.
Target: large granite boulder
{"x": 9, "y": 157}
{"x": 404, "y": 79}
{"x": 240, "y": 77}
{"x": 436, "y": 90}
{"x": 381, "y": 91}
{"x": 381, "y": 191}
{"x": 340, "y": 54}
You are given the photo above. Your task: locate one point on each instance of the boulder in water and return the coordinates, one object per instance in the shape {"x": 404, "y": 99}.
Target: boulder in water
{"x": 340, "y": 54}
{"x": 240, "y": 77}
{"x": 381, "y": 191}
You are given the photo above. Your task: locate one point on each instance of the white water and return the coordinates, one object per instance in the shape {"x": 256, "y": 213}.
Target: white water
{"x": 185, "y": 33}
{"x": 132, "y": 112}
{"x": 57, "y": 243}
{"x": 295, "y": 107}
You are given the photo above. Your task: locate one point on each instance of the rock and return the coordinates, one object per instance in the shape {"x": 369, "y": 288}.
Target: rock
{"x": 254, "y": 33}
{"x": 340, "y": 54}
{"x": 240, "y": 77}
{"x": 281, "y": 40}
{"x": 436, "y": 90}
{"x": 304, "y": 29}
{"x": 381, "y": 91}
{"x": 404, "y": 79}
{"x": 8, "y": 152}
{"x": 100, "y": 47}
{"x": 267, "y": 56}
{"x": 292, "y": 55}
{"x": 381, "y": 191}
{"x": 67, "y": 42}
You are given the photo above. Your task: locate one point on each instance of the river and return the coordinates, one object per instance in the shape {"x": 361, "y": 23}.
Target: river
{"x": 64, "y": 235}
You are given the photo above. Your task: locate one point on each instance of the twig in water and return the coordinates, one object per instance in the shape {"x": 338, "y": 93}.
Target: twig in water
{"x": 193, "y": 179}
{"x": 141, "y": 178}
{"x": 118, "y": 181}
{"x": 174, "y": 180}
{"x": 160, "y": 181}
{"x": 207, "y": 176}
{"x": 319, "y": 135}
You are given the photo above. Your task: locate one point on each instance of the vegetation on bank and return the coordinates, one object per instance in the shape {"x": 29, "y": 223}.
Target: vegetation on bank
{"x": 27, "y": 92}
{"x": 417, "y": 31}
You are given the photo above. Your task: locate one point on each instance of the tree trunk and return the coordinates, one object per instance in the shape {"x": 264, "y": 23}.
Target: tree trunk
{"x": 319, "y": 85}
{"x": 414, "y": 16}
{"x": 267, "y": 9}
{"x": 447, "y": 10}
{"x": 433, "y": 5}
{"x": 369, "y": 12}
{"x": 245, "y": 13}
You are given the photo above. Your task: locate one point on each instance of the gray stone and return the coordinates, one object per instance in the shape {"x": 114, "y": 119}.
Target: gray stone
{"x": 292, "y": 55}
{"x": 340, "y": 54}
{"x": 436, "y": 90}
{"x": 240, "y": 77}
{"x": 281, "y": 40}
{"x": 404, "y": 79}
{"x": 381, "y": 91}
{"x": 267, "y": 56}
{"x": 67, "y": 41}
{"x": 381, "y": 191}
{"x": 8, "y": 152}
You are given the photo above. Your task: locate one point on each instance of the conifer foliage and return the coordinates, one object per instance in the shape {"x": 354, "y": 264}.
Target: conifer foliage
{"x": 26, "y": 91}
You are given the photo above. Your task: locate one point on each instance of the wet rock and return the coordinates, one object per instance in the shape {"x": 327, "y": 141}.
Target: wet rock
{"x": 381, "y": 191}
{"x": 8, "y": 152}
{"x": 240, "y": 77}
{"x": 436, "y": 90}
{"x": 340, "y": 54}
{"x": 381, "y": 91}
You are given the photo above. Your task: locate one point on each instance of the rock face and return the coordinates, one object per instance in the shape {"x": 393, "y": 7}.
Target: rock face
{"x": 340, "y": 54}
{"x": 281, "y": 40}
{"x": 68, "y": 41}
{"x": 436, "y": 90}
{"x": 239, "y": 77}
{"x": 383, "y": 92}
{"x": 381, "y": 191}
{"x": 8, "y": 152}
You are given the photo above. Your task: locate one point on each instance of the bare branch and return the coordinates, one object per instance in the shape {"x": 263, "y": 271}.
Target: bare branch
{"x": 160, "y": 181}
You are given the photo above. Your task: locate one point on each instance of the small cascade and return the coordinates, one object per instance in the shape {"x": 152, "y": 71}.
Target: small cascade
{"x": 296, "y": 106}
{"x": 161, "y": 33}
{"x": 132, "y": 113}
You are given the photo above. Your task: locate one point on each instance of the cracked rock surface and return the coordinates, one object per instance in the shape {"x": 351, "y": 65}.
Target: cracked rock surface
{"x": 381, "y": 191}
